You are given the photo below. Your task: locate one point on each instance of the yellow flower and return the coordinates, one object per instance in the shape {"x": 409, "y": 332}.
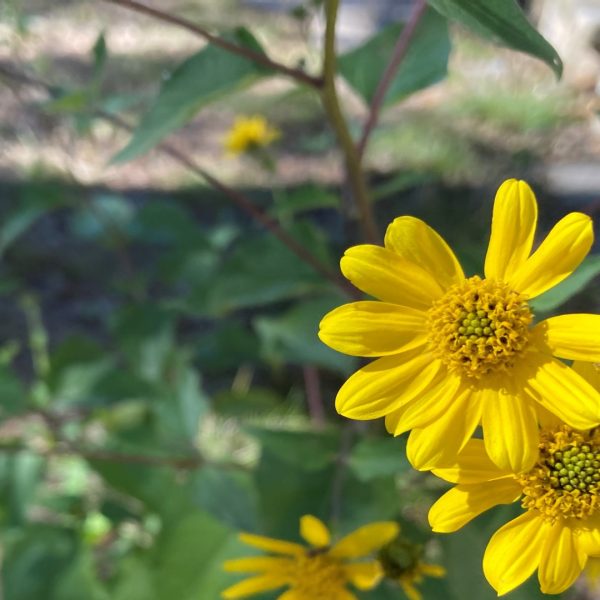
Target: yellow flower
{"x": 401, "y": 561}
{"x": 250, "y": 133}
{"x": 592, "y": 572}
{"x": 560, "y": 526}
{"x": 318, "y": 572}
{"x": 462, "y": 351}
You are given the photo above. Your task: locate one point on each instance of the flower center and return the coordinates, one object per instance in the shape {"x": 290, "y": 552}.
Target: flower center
{"x": 317, "y": 576}
{"x": 479, "y": 326}
{"x": 565, "y": 482}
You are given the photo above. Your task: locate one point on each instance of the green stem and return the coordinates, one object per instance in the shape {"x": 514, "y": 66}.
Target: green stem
{"x": 331, "y": 103}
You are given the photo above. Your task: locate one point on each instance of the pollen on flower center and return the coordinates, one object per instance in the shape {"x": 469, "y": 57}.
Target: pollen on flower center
{"x": 317, "y": 575}
{"x": 565, "y": 482}
{"x": 479, "y": 326}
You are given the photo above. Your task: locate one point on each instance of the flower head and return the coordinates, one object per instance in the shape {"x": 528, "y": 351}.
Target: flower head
{"x": 250, "y": 133}
{"x": 458, "y": 352}
{"x": 402, "y": 562}
{"x": 321, "y": 571}
{"x": 559, "y": 528}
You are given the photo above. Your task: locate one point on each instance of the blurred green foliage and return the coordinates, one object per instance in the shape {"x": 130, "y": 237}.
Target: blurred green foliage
{"x": 156, "y": 355}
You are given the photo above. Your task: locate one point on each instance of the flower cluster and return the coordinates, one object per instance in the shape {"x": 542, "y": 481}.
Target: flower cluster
{"x": 460, "y": 355}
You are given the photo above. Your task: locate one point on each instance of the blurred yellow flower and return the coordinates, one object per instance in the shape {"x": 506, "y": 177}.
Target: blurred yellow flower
{"x": 250, "y": 133}
{"x": 560, "y": 528}
{"x": 319, "y": 572}
{"x": 462, "y": 351}
{"x": 402, "y": 562}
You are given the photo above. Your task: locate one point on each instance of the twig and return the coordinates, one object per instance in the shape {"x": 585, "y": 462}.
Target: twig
{"x": 257, "y": 57}
{"x": 239, "y": 199}
{"x": 333, "y": 110}
{"x": 314, "y": 399}
{"x": 176, "y": 462}
{"x": 398, "y": 54}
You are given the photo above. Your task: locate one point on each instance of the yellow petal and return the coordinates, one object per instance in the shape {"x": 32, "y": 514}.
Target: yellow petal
{"x": 255, "y": 564}
{"x": 514, "y": 552}
{"x": 513, "y": 227}
{"x": 590, "y": 371}
{"x": 560, "y": 390}
{"x": 575, "y": 337}
{"x": 384, "y": 275}
{"x": 557, "y": 257}
{"x": 364, "y": 576}
{"x": 340, "y": 594}
{"x": 418, "y": 243}
{"x": 473, "y": 465}
{"x": 432, "y": 570}
{"x": 592, "y": 572}
{"x": 373, "y": 329}
{"x": 291, "y": 595}
{"x": 463, "y": 503}
{"x": 588, "y": 537}
{"x": 510, "y": 428}
{"x": 365, "y": 540}
{"x": 426, "y": 407}
{"x": 561, "y": 562}
{"x": 412, "y": 593}
{"x": 439, "y": 442}
{"x": 272, "y": 545}
{"x": 254, "y": 585}
{"x": 314, "y": 531}
{"x": 386, "y": 384}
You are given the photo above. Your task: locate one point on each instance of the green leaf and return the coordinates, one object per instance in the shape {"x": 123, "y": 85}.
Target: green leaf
{"x": 13, "y": 398}
{"x": 305, "y": 450}
{"x": 261, "y": 270}
{"x": 502, "y": 21}
{"x": 201, "y": 79}
{"x": 425, "y": 63}
{"x": 292, "y": 337}
{"x": 378, "y": 457}
{"x": 572, "y": 285}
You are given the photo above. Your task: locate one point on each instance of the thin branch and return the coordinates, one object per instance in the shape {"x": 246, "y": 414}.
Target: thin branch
{"x": 314, "y": 398}
{"x": 398, "y": 54}
{"x": 239, "y": 199}
{"x": 177, "y": 462}
{"x": 257, "y": 57}
{"x": 331, "y": 103}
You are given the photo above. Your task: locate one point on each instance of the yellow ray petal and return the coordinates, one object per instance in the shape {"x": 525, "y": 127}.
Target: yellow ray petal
{"x": 426, "y": 407}
{"x": 463, "y": 503}
{"x": 562, "y": 560}
{"x": 432, "y": 570}
{"x": 558, "y": 256}
{"x": 510, "y": 428}
{"x": 588, "y": 536}
{"x": 365, "y": 540}
{"x": 575, "y": 337}
{"x": 373, "y": 329}
{"x": 342, "y": 594}
{"x": 473, "y": 465}
{"x": 439, "y": 442}
{"x": 514, "y": 552}
{"x": 384, "y": 275}
{"x": 364, "y": 576}
{"x": 272, "y": 545}
{"x": 386, "y": 384}
{"x": 255, "y": 564}
{"x": 412, "y": 593}
{"x": 291, "y": 595}
{"x": 254, "y": 585}
{"x": 418, "y": 243}
{"x": 560, "y": 390}
{"x": 314, "y": 531}
{"x": 589, "y": 371}
{"x": 513, "y": 227}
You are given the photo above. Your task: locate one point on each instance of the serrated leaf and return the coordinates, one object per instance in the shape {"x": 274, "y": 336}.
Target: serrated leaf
{"x": 425, "y": 63}
{"x": 292, "y": 337}
{"x": 502, "y": 21}
{"x": 201, "y": 79}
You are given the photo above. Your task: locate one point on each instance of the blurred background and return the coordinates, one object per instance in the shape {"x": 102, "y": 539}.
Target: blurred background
{"x": 161, "y": 383}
